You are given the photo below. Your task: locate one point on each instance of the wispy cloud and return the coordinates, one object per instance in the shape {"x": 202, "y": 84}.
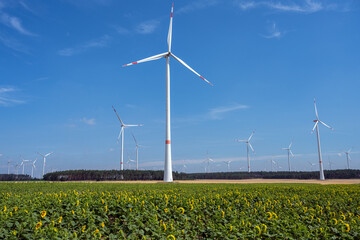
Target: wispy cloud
{"x": 121, "y": 30}
{"x": 219, "y": 112}
{"x": 147, "y": 27}
{"x": 95, "y": 43}
{"x": 88, "y": 121}
{"x": 274, "y": 32}
{"x": 7, "y": 98}
{"x": 305, "y": 6}
{"x": 195, "y": 5}
{"x": 12, "y": 43}
{"x": 14, "y": 23}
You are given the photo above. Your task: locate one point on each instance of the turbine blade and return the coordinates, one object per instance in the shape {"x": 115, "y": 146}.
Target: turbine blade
{"x": 118, "y": 116}
{"x": 251, "y": 147}
{"x": 326, "y": 125}
{"x": 134, "y": 139}
{"x": 170, "y": 28}
{"x": 121, "y": 131}
{"x": 316, "y": 113}
{"x": 251, "y": 136}
{"x": 137, "y": 125}
{"x": 147, "y": 59}
{"x": 291, "y": 153}
{"x": 183, "y": 63}
{"x": 49, "y": 154}
{"x": 349, "y": 150}
{"x": 236, "y": 140}
{"x": 314, "y": 127}
{"x": 290, "y": 145}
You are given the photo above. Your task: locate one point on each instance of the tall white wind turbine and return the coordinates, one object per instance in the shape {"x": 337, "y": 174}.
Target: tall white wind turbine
{"x": 311, "y": 164}
{"x": 347, "y": 153}
{"x": 121, "y": 134}
{"x": 289, "y": 152}
{"x": 168, "y": 163}
{"x": 317, "y": 121}
{"x": 44, "y": 159}
{"x": 23, "y": 164}
{"x": 248, "y": 144}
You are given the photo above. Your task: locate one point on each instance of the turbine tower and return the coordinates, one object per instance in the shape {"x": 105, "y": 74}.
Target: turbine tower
{"x": 317, "y": 121}
{"x": 288, "y": 149}
{"x": 248, "y": 144}
{"x": 347, "y": 153}
{"x": 44, "y": 158}
{"x": 123, "y": 126}
{"x": 168, "y": 163}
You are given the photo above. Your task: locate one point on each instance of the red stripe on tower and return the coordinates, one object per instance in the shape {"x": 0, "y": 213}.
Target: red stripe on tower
{"x": 167, "y": 142}
{"x": 134, "y": 63}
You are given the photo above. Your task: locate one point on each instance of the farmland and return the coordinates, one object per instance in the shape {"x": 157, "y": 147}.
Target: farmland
{"x": 178, "y": 211}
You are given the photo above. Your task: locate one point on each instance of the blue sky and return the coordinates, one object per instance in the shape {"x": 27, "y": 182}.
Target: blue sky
{"x": 60, "y": 65}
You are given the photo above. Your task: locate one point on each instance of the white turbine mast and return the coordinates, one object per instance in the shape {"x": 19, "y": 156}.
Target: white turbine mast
{"x": 348, "y": 159}
{"x": 289, "y": 152}
{"x": 168, "y": 163}
{"x": 121, "y": 134}
{"x": 248, "y": 144}
{"x": 44, "y": 160}
{"x": 316, "y": 126}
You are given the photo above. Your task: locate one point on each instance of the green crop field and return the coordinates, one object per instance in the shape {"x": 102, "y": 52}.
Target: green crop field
{"x": 178, "y": 211}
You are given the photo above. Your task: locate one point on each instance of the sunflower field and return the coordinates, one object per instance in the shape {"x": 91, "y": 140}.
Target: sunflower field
{"x": 41, "y": 210}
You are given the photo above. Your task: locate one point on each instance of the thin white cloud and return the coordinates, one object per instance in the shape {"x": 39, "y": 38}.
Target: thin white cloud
{"x": 12, "y": 44}
{"x": 7, "y": 98}
{"x": 274, "y": 32}
{"x": 95, "y": 43}
{"x": 147, "y": 27}
{"x": 305, "y": 6}
{"x": 15, "y": 23}
{"x": 218, "y": 112}
{"x": 121, "y": 30}
{"x": 88, "y": 121}
{"x": 195, "y": 5}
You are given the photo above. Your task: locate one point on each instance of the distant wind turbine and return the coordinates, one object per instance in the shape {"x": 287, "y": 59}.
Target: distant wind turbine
{"x": 129, "y": 161}
{"x": 32, "y": 168}
{"x": 312, "y": 164}
{"x": 208, "y": 160}
{"x": 44, "y": 159}
{"x": 121, "y": 134}
{"x": 288, "y": 149}
{"x": 227, "y": 164}
{"x": 347, "y": 153}
{"x": 8, "y": 172}
{"x": 23, "y": 164}
{"x": 317, "y": 121}
{"x": 248, "y": 144}
{"x": 137, "y": 151}
{"x": 168, "y": 163}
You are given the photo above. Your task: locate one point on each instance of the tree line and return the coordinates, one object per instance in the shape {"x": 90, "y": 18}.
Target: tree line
{"x": 127, "y": 175}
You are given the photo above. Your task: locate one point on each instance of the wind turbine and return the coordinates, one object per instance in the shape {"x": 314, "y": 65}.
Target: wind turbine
{"x": 208, "y": 160}
{"x": 312, "y": 164}
{"x": 8, "y": 172}
{"x": 123, "y": 126}
{"x": 347, "y": 153}
{"x": 168, "y": 163}
{"x": 129, "y": 161}
{"x": 44, "y": 158}
{"x": 248, "y": 144}
{"x": 137, "y": 151}
{"x": 289, "y": 152}
{"x": 227, "y": 164}
{"x": 317, "y": 121}
{"x": 32, "y": 168}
